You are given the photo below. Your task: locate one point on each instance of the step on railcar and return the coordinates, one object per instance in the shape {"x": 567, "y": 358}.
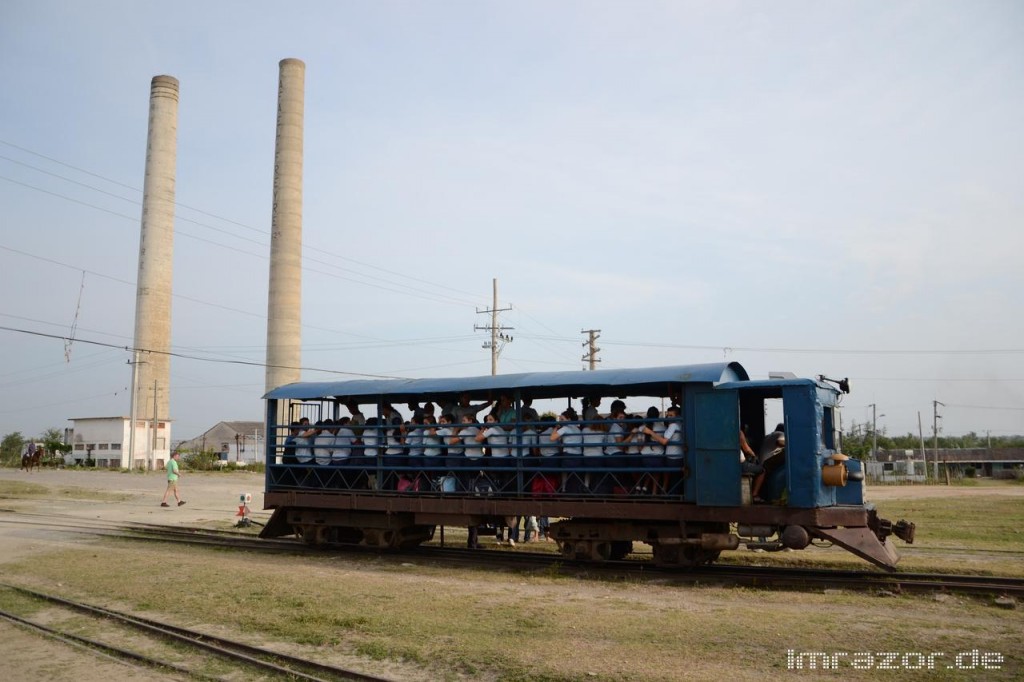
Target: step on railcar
{"x": 376, "y": 485}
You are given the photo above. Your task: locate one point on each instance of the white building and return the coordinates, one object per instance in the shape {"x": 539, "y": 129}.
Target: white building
{"x": 107, "y": 441}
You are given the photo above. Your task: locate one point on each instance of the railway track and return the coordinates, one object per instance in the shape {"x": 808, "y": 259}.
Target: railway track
{"x": 725, "y": 574}
{"x": 239, "y": 656}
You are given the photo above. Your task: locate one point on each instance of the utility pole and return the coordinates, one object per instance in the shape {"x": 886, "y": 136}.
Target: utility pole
{"x": 874, "y": 433}
{"x": 924, "y": 453}
{"x": 152, "y": 440}
{"x": 591, "y": 355}
{"x": 498, "y": 337}
{"x": 131, "y": 410}
{"x": 935, "y": 431}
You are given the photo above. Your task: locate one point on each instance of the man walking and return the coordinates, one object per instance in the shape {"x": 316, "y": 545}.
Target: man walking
{"x": 172, "y": 481}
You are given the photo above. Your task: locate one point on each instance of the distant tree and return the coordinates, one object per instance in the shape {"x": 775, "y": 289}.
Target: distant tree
{"x": 53, "y": 441}
{"x": 56, "y": 448}
{"x": 10, "y": 449}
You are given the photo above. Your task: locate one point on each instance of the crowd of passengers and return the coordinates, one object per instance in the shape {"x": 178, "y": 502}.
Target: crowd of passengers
{"x": 455, "y": 451}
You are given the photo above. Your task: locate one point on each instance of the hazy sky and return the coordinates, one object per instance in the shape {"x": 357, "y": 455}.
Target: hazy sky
{"x": 822, "y": 188}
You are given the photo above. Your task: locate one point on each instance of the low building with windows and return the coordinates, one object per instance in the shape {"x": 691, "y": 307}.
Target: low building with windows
{"x": 107, "y": 442}
{"x": 234, "y": 441}
{"x": 901, "y": 466}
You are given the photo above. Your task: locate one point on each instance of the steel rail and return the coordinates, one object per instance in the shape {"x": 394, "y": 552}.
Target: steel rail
{"x": 237, "y": 651}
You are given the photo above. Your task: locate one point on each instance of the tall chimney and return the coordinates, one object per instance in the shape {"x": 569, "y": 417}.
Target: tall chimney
{"x": 284, "y": 307}
{"x": 152, "y": 370}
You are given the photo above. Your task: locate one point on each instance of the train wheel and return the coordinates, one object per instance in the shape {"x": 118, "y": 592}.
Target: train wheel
{"x": 381, "y": 538}
{"x": 312, "y": 535}
{"x": 585, "y": 550}
{"x": 695, "y": 556}
{"x": 667, "y": 555}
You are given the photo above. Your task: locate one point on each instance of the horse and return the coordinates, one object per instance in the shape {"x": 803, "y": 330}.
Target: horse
{"x": 30, "y": 462}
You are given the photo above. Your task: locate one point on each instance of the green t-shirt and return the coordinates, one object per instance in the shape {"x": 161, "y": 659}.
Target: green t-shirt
{"x": 172, "y": 470}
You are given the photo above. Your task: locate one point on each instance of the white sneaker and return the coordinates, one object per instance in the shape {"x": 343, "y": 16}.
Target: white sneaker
{"x": 511, "y": 542}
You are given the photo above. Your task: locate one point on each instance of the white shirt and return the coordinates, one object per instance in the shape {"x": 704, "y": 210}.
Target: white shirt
{"x": 674, "y": 434}
{"x": 323, "y": 447}
{"x": 528, "y": 440}
{"x": 547, "y": 449}
{"x": 431, "y": 443}
{"x": 302, "y": 451}
{"x": 653, "y": 447}
{"x": 369, "y": 442}
{"x": 497, "y": 439}
{"x": 343, "y": 443}
{"x": 572, "y": 439}
{"x": 593, "y": 442}
{"x": 414, "y": 441}
{"x": 468, "y": 436}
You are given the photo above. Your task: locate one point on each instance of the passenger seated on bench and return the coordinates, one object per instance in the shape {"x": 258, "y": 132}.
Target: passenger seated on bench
{"x": 672, "y": 441}
{"x": 748, "y": 460}
{"x": 572, "y": 444}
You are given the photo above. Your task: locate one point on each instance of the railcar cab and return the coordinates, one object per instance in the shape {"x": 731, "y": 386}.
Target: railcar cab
{"x": 814, "y": 473}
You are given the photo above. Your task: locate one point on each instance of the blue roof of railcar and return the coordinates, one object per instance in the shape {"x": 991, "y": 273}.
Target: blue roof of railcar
{"x": 536, "y": 384}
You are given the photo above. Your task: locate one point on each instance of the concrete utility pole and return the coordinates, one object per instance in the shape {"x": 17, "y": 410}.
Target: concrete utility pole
{"x": 156, "y": 246}
{"x": 284, "y": 305}
{"x": 874, "y": 432}
{"x": 591, "y": 355}
{"x": 152, "y": 438}
{"x": 498, "y": 337}
{"x": 920, "y": 435}
{"x": 133, "y": 410}
{"x": 935, "y": 433}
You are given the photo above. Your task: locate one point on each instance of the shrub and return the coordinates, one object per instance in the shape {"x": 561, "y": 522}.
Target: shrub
{"x": 200, "y": 461}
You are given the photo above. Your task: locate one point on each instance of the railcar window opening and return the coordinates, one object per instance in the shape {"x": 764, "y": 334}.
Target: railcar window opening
{"x": 374, "y": 442}
{"x": 828, "y": 430}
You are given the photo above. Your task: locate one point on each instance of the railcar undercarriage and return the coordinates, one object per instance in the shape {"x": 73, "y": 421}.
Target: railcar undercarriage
{"x": 596, "y": 530}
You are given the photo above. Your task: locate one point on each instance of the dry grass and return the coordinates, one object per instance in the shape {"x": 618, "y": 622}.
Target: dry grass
{"x": 14, "y": 490}
{"x": 512, "y": 626}
{"x": 430, "y": 622}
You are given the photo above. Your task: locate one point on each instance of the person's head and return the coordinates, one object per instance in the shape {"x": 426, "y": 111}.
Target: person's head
{"x": 464, "y": 399}
{"x": 294, "y": 426}
{"x": 490, "y": 419}
{"x": 595, "y": 401}
{"x": 175, "y": 456}
{"x": 304, "y": 421}
{"x": 429, "y": 420}
{"x": 527, "y": 402}
{"x": 672, "y": 411}
{"x": 618, "y": 408}
{"x": 446, "y": 418}
{"x": 569, "y": 415}
{"x": 781, "y": 428}
{"x": 505, "y": 400}
{"x": 652, "y": 412}
{"x": 428, "y": 408}
{"x": 352, "y": 406}
{"x": 467, "y": 419}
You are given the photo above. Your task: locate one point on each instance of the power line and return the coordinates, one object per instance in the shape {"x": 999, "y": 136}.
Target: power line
{"x": 810, "y": 351}
{"x": 196, "y": 222}
{"x": 184, "y": 356}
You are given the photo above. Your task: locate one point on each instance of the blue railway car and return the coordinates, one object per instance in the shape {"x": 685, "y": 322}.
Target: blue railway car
{"x": 672, "y": 476}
